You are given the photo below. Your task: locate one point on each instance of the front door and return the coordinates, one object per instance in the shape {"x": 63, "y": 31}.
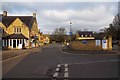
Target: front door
{"x": 104, "y": 44}
{"x": 14, "y": 43}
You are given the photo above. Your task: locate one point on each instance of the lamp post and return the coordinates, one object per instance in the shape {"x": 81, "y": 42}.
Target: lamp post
{"x": 70, "y": 31}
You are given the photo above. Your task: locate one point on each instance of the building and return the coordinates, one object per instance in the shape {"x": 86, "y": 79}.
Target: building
{"x": 87, "y": 40}
{"x": 84, "y": 35}
{"x": 46, "y": 38}
{"x": 19, "y": 31}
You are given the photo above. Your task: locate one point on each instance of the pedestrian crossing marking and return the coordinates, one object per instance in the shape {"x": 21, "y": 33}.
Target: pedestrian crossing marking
{"x": 66, "y": 74}
{"x": 58, "y": 65}
{"x": 57, "y": 69}
{"x": 66, "y": 65}
{"x": 55, "y": 75}
{"x": 66, "y": 69}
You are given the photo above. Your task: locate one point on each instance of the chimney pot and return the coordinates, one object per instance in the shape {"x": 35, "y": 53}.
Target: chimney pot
{"x": 5, "y": 13}
{"x": 34, "y": 15}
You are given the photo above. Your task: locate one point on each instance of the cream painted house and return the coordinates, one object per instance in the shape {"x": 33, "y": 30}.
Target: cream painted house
{"x": 21, "y": 31}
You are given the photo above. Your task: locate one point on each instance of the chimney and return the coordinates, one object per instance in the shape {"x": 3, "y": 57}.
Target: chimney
{"x": 34, "y": 15}
{"x": 39, "y": 29}
{"x": 5, "y": 13}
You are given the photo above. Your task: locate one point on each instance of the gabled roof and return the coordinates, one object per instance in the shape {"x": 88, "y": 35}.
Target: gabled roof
{"x": 15, "y": 36}
{"x": 28, "y": 20}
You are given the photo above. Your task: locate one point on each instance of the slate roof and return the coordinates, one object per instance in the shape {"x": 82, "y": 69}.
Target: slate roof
{"x": 15, "y": 36}
{"x": 28, "y": 20}
{"x": 85, "y": 33}
{"x": 100, "y": 36}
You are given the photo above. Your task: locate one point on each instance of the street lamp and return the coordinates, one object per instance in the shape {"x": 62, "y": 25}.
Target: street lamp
{"x": 70, "y": 31}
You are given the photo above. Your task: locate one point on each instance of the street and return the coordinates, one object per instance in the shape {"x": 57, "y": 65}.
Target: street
{"x": 37, "y": 65}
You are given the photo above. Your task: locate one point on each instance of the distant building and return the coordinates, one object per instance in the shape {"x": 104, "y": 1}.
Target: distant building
{"x": 46, "y": 38}
{"x": 84, "y": 35}
{"x": 19, "y": 31}
{"x": 86, "y": 40}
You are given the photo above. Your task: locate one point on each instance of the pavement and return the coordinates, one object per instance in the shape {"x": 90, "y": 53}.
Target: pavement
{"x": 6, "y": 54}
{"x": 65, "y": 49}
{"x": 44, "y": 64}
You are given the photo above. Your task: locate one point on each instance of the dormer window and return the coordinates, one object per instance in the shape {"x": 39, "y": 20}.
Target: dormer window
{"x": 17, "y": 30}
{"x": 81, "y": 35}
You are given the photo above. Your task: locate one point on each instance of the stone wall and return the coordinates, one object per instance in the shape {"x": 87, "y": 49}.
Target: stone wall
{"x": 89, "y": 45}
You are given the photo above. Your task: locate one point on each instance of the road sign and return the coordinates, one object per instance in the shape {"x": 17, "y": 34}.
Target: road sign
{"x": 84, "y": 41}
{"x": 70, "y": 33}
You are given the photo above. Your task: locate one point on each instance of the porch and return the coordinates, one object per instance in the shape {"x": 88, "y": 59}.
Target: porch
{"x": 15, "y": 41}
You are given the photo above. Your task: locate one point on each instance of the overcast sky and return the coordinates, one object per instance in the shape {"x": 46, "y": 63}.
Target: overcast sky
{"x": 50, "y": 15}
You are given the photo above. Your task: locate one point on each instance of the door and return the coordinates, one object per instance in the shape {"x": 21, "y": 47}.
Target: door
{"x": 14, "y": 43}
{"x": 104, "y": 44}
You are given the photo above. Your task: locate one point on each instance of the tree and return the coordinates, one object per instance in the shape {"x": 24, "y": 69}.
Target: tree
{"x": 116, "y": 25}
{"x": 59, "y": 34}
{"x": 114, "y": 28}
{"x": 112, "y": 31}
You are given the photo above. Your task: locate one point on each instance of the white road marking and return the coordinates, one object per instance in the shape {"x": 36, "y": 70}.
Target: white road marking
{"x": 57, "y": 69}
{"x": 66, "y": 69}
{"x": 66, "y": 65}
{"x": 58, "y": 65}
{"x": 66, "y": 74}
{"x": 55, "y": 74}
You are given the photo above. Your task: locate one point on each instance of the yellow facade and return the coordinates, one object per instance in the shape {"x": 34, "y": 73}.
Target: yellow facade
{"x": 3, "y": 26}
{"x": 110, "y": 42}
{"x": 105, "y": 43}
{"x": 24, "y": 26}
{"x": 83, "y": 38}
{"x": 18, "y": 24}
{"x": 25, "y": 30}
{"x": 34, "y": 28}
{"x": 78, "y": 37}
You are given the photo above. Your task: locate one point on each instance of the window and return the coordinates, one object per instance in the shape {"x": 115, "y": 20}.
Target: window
{"x": 17, "y": 30}
{"x": 10, "y": 42}
{"x": 85, "y": 35}
{"x": 98, "y": 42}
{"x": 81, "y": 35}
{"x": 17, "y": 42}
{"x": 20, "y": 29}
{"x": 2, "y": 30}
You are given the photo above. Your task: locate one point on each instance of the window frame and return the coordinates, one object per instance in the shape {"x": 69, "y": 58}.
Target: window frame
{"x": 17, "y": 30}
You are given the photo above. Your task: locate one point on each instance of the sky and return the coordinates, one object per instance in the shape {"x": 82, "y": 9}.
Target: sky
{"x": 89, "y": 15}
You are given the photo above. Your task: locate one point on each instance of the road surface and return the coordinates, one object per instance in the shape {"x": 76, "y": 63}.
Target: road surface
{"x": 43, "y": 64}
